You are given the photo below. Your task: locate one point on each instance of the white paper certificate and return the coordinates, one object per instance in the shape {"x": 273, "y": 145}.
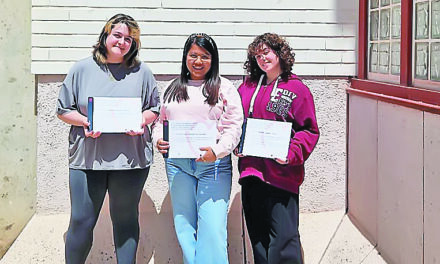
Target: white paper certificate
{"x": 117, "y": 114}
{"x": 267, "y": 138}
{"x": 186, "y": 138}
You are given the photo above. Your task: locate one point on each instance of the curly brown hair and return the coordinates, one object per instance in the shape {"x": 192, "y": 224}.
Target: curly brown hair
{"x": 279, "y": 45}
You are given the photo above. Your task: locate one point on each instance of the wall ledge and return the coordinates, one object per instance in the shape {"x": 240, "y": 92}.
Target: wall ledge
{"x": 412, "y": 97}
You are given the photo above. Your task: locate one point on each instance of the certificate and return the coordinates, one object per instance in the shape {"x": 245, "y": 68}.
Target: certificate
{"x": 186, "y": 137}
{"x": 266, "y": 138}
{"x": 115, "y": 114}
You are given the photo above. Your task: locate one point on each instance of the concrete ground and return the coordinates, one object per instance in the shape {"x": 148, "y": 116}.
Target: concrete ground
{"x": 327, "y": 237}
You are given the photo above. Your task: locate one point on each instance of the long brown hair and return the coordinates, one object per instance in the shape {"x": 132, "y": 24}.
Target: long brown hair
{"x": 100, "y": 49}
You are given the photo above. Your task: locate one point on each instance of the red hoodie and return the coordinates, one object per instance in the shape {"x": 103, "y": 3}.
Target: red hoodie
{"x": 291, "y": 102}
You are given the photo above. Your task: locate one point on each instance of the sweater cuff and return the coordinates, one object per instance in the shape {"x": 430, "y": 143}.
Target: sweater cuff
{"x": 294, "y": 155}
{"x": 218, "y": 151}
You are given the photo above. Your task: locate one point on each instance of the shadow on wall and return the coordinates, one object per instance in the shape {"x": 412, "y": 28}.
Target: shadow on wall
{"x": 158, "y": 242}
{"x": 346, "y": 11}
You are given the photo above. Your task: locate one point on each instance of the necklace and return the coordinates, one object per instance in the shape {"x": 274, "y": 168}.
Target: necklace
{"x": 274, "y": 80}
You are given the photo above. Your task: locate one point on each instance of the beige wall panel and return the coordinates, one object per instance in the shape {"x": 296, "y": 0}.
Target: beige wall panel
{"x": 40, "y": 67}
{"x": 59, "y": 67}
{"x": 40, "y": 54}
{"x": 65, "y": 27}
{"x": 225, "y": 4}
{"x": 316, "y": 27}
{"x": 260, "y": 4}
{"x": 63, "y": 41}
{"x": 148, "y": 55}
{"x": 180, "y": 28}
{"x": 432, "y": 183}
{"x": 98, "y": 3}
{"x": 362, "y": 164}
{"x": 400, "y": 184}
{"x": 43, "y": 13}
{"x": 188, "y": 15}
{"x": 300, "y": 29}
{"x": 176, "y": 42}
{"x": 175, "y": 55}
{"x": 328, "y": 56}
{"x": 349, "y": 29}
{"x": 341, "y": 69}
{"x": 324, "y": 29}
{"x": 348, "y": 56}
{"x": 340, "y": 43}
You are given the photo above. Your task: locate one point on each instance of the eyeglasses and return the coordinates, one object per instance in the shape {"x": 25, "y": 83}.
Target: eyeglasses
{"x": 262, "y": 55}
{"x": 203, "y": 57}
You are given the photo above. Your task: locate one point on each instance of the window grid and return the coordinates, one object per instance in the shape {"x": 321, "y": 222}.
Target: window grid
{"x": 426, "y": 45}
{"x": 384, "y": 40}
{"x": 407, "y": 91}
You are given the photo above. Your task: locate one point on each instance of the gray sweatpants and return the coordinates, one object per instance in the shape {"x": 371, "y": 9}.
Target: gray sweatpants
{"x": 87, "y": 193}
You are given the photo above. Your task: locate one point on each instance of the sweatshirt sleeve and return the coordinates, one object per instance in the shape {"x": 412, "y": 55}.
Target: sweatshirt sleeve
{"x": 150, "y": 95}
{"x": 230, "y": 121}
{"x": 306, "y": 132}
{"x": 67, "y": 99}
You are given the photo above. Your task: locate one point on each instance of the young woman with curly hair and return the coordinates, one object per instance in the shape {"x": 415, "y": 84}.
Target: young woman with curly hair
{"x": 270, "y": 187}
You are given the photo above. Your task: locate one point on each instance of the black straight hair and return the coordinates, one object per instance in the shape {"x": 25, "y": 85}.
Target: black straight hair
{"x": 177, "y": 91}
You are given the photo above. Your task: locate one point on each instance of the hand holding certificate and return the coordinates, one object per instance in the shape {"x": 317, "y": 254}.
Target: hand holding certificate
{"x": 187, "y": 137}
{"x": 115, "y": 114}
{"x": 266, "y": 138}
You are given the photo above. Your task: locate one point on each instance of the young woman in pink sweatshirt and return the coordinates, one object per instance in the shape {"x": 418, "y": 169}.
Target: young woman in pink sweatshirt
{"x": 200, "y": 188}
{"x": 270, "y": 187}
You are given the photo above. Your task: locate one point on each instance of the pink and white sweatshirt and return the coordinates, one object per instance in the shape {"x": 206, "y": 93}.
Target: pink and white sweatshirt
{"x": 228, "y": 113}
{"x": 290, "y": 102}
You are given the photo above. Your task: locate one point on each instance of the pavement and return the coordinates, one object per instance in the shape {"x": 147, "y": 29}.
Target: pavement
{"x": 327, "y": 237}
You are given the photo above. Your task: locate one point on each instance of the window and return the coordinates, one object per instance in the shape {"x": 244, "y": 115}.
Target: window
{"x": 399, "y": 52}
{"x": 384, "y": 40}
{"x": 426, "y": 42}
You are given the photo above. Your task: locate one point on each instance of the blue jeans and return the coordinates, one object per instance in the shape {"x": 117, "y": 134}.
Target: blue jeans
{"x": 200, "y": 196}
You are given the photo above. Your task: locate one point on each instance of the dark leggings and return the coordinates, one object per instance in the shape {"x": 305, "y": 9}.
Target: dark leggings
{"x": 272, "y": 218}
{"x": 87, "y": 193}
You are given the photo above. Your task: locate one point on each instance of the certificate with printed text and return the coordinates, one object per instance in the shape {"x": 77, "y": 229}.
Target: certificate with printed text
{"x": 266, "y": 138}
{"x": 115, "y": 114}
{"x": 186, "y": 137}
